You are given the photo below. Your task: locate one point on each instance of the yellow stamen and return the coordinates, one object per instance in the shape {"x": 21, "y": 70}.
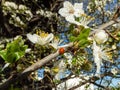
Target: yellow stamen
{"x": 41, "y": 33}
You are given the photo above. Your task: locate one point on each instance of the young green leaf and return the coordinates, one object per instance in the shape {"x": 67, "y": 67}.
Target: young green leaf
{"x": 81, "y": 38}
{"x": 14, "y": 50}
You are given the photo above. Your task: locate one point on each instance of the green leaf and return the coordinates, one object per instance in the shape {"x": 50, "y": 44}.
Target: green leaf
{"x": 81, "y": 38}
{"x": 84, "y": 34}
{"x": 73, "y": 38}
{"x": 14, "y": 50}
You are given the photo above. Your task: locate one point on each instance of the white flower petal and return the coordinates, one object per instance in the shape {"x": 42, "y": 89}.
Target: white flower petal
{"x": 41, "y": 41}
{"x": 97, "y": 59}
{"x": 78, "y": 7}
{"x": 49, "y": 38}
{"x": 71, "y": 19}
{"x": 67, "y": 5}
{"x": 54, "y": 45}
{"x": 33, "y": 38}
{"x": 63, "y": 12}
{"x": 67, "y": 9}
{"x": 74, "y": 82}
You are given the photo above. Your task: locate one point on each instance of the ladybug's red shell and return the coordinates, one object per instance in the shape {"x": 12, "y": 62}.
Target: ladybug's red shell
{"x": 61, "y": 51}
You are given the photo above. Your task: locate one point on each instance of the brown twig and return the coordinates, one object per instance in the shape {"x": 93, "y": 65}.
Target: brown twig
{"x": 30, "y": 69}
{"x": 104, "y": 26}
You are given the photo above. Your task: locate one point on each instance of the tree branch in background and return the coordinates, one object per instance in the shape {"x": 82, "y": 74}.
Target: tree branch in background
{"x": 104, "y": 26}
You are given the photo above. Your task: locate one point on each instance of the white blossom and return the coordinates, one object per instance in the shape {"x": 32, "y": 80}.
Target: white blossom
{"x": 96, "y": 56}
{"x": 29, "y": 15}
{"x": 41, "y": 12}
{"x": 22, "y": 7}
{"x": 10, "y": 5}
{"x": 101, "y": 36}
{"x": 99, "y": 54}
{"x": 61, "y": 73}
{"x": 55, "y": 43}
{"x": 41, "y": 40}
{"x": 47, "y": 14}
{"x": 85, "y": 20}
{"x": 70, "y": 12}
{"x": 18, "y": 19}
{"x": 74, "y": 81}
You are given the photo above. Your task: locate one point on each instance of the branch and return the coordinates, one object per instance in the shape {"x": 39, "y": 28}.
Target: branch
{"x": 30, "y": 69}
{"x": 92, "y": 80}
{"x": 105, "y": 25}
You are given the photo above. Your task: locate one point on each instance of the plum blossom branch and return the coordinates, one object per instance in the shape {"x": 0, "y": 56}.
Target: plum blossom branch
{"x": 46, "y": 60}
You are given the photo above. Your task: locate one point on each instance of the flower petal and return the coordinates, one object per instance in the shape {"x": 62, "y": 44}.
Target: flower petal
{"x": 41, "y": 41}
{"x": 63, "y": 12}
{"x": 97, "y": 59}
{"x": 54, "y": 45}
{"x": 67, "y": 9}
{"x": 67, "y": 5}
{"x": 33, "y": 38}
{"x": 78, "y": 7}
{"x": 49, "y": 38}
{"x": 71, "y": 19}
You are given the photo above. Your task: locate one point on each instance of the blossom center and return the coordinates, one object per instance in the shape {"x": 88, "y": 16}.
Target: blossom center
{"x": 41, "y": 34}
{"x": 71, "y": 11}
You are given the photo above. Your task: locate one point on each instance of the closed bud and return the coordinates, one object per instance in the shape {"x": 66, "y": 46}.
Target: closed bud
{"x": 101, "y": 36}
{"x": 76, "y": 32}
{"x": 87, "y": 66}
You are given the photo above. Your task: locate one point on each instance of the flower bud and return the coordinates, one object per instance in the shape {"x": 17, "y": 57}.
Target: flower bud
{"x": 101, "y": 36}
{"x": 87, "y": 65}
{"x": 76, "y": 32}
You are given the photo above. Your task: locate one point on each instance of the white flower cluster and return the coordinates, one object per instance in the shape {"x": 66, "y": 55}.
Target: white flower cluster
{"x": 13, "y": 9}
{"x": 99, "y": 6}
{"x": 9, "y": 7}
{"x": 73, "y": 12}
{"x": 74, "y": 81}
{"x": 47, "y": 14}
{"x": 45, "y": 39}
{"x": 25, "y": 11}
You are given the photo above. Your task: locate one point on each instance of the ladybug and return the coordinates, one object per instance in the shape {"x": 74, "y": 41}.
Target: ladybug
{"x": 61, "y": 50}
